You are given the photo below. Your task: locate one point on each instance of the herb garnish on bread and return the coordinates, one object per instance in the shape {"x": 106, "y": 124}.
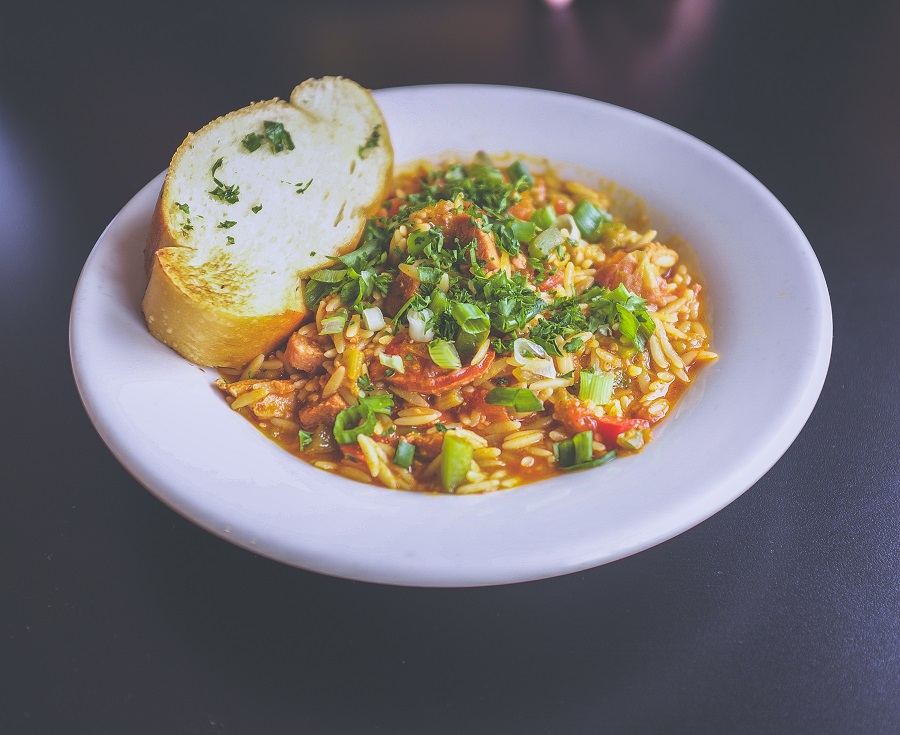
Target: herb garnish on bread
{"x": 251, "y": 203}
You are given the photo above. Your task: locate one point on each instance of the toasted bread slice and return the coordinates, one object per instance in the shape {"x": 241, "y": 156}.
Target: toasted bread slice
{"x": 248, "y": 208}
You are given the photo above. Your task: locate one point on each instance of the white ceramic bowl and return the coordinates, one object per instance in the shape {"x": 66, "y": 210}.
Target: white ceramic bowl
{"x": 771, "y": 321}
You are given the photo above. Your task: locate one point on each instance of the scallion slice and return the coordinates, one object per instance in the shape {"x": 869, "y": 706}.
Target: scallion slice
{"x": 403, "y": 457}
{"x": 596, "y": 387}
{"x": 394, "y": 362}
{"x": 574, "y": 451}
{"x": 520, "y": 400}
{"x": 525, "y": 349}
{"x": 470, "y": 318}
{"x": 444, "y": 354}
{"x": 418, "y": 325}
{"x": 590, "y": 220}
{"x": 335, "y": 323}
{"x": 544, "y": 243}
{"x": 439, "y": 302}
{"x": 467, "y": 344}
{"x": 544, "y": 217}
{"x": 592, "y": 463}
{"x": 456, "y": 460}
{"x": 517, "y": 170}
{"x": 523, "y": 231}
{"x": 353, "y": 421}
{"x": 584, "y": 446}
{"x": 373, "y": 319}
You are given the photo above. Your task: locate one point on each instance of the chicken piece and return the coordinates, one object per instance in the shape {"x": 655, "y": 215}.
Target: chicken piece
{"x": 280, "y": 400}
{"x": 519, "y": 262}
{"x": 490, "y": 414}
{"x": 303, "y": 353}
{"x": 401, "y": 290}
{"x": 321, "y": 412}
{"x": 428, "y": 446}
{"x": 637, "y": 272}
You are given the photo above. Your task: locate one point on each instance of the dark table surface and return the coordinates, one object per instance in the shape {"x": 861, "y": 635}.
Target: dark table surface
{"x": 778, "y": 614}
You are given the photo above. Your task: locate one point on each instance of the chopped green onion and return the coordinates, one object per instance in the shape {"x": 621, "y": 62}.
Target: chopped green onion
{"x": 403, "y": 457}
{"x": 632, "y": 439}
{"x": 456, "y": 460}
{"x": 418, "y": 325}
{"x": 353, "y": 421}
{"x": 305, "y": 438}
{"x": 329, "y": 275}
{"x": 373, "y": 318}
{"x": 517, "y": 170}
{"x": 596, "y": 387}
{"x": 592, "y": 463}
{"x": 470, "y": 318}
{"x": 544, "y": 217}
{"x": 521, "y": 400}
{"x": 467, "y": 343}
{"x": 590, "y": 220}
{"x": 584, "y": 446}
{"x": 439, "y": 302}
{"x": 525, "y": 350}
{"x": 574, "y": 451}
{"x": 334, "y": 324}
{"x": 381, "y": 403}
{"x": 523, "y": 231}
{"x": 444, "y": 354}
{"x": 394, "y": 362}
{"x": 545, "y": 243}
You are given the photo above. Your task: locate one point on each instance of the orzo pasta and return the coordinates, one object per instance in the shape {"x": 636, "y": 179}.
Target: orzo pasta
{"x": 492, "y": 328}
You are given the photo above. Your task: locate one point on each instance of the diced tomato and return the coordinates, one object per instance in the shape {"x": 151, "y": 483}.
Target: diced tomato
{"x": 560, "y": 205}
{"x": 522, "y": 210}
{"x": 576, "y": 417}
{"x": 608, "y": 428}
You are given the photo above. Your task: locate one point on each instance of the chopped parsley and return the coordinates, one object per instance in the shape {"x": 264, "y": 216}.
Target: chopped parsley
{"x": 305, "y": 438}
{"x": 364, "y": 383}
{"x": 226, "y": 193}
{"x": 371, "y": 142}
{"x": 230, "y": 240}
{"x": 278, "y": 137}
{"x": 303, "y": 187}
{"x": 256, "y": 209}
{"x": 252, "y": 141}
{"x": 227, "y": 224}
{"x": 186, "y": 225}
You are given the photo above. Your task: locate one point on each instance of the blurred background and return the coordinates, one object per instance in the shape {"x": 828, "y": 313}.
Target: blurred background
{"x": 779, "y": 614}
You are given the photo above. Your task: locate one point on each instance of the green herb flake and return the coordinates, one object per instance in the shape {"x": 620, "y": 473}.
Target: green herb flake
{"x": 225, "y": 192}
{"x": 278, "y": 137}
{"x": 256, "y": 209}
{"x": 365, "y": 383}
{"x": 440, "y": 427}
{"x": 230, "y": 240}
{"x": 371, "y": 142}
{"x": 305, "y": 438}
{"x": 303, "y": 187}
{"x": 227, "y": 224}
{"x": 252, "y": 141}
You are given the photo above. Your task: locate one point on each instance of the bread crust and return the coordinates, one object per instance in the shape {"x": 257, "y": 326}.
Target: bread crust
{"x": 199, "y": 314}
